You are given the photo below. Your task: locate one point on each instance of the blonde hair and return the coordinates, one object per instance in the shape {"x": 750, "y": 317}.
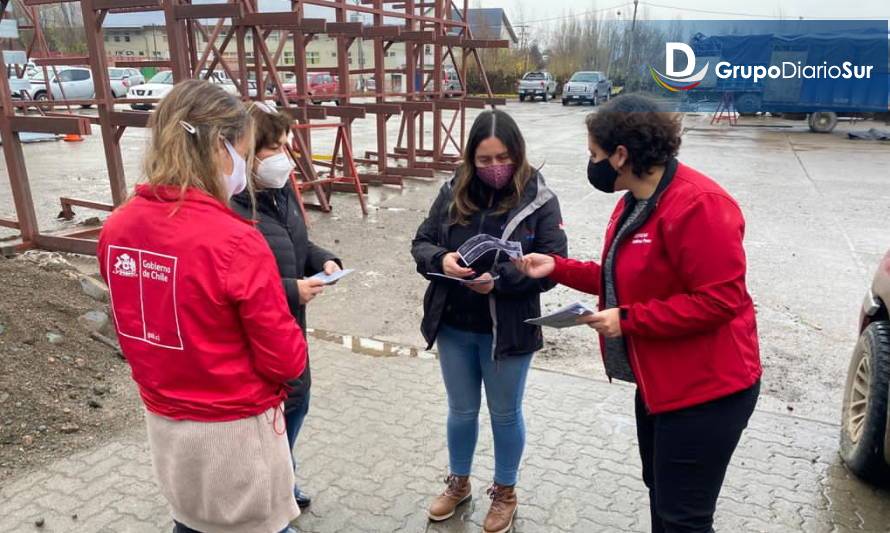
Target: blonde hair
{"x": 185, "y": 133}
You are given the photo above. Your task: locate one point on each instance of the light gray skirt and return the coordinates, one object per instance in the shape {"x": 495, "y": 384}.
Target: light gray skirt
{"x": 225, "y": 477}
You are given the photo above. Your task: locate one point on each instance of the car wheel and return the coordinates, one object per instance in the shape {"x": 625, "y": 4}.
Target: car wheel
{"x": 522, "y": 98}
{"x": 748, "y": 104}
{"x": 864, "y": 416}
{"x": 596, "y": 99}
{"x": 41, "y": 95}
{"x": 544, "y": 98}
{"x": 565, "y": 102}
{"x": 822, "y": 121}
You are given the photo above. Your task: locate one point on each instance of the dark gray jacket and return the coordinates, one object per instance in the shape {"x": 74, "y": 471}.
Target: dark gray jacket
{"x": 280, "y": 221}
{"x": 536, "y": 223}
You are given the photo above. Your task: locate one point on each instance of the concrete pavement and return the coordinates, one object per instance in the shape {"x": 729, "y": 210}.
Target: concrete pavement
{"x": 373, "y": 452}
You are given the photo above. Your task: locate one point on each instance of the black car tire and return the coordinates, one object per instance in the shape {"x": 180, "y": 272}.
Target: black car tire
{"x": 864, "y": 416}
{"x": 822, "y": 121}
{"x": 522, "y": 98}
{"x": 748, "y": 104}
{"x": 565, "y": 102}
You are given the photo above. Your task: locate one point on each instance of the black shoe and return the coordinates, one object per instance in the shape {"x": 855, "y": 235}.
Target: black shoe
{"x": 303, "y": 499}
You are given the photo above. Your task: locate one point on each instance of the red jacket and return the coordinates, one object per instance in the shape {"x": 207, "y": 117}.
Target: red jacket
{"x": 198, "y": 306}
{"x": 686, "y": 315}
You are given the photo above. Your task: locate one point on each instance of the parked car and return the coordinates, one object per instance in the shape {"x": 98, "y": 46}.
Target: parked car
{"x": 157, "y": 87}
{"x": 321, "y": 87}
{"x": 162, "y": 83}
{"x": 865, "y": 423}
{"x": 19, "y": 87}
{"x": 122, "y": 79}
{"x": 66, "y": 83}
{"x": 450, "y": 80}
{"x": 535, "y": 84}
{"x": 587, "y": 86}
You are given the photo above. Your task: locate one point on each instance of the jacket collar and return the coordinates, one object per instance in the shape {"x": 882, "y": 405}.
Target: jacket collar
{"x": 670, "y": 169}
{"x": 535, "y": 195}
{"x": 175, "y": 195}
{"x": 264, "y": 198}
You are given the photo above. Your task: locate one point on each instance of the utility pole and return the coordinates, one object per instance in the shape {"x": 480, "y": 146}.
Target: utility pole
{"x": 523, "y": 44}
{"x": 633, "y": 26}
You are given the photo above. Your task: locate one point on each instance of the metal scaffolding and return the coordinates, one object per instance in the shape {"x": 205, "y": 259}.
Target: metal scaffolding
{"x": 236, "y": 39}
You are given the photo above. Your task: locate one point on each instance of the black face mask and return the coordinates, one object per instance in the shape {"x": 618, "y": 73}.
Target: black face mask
{"x": 601, "y": 175}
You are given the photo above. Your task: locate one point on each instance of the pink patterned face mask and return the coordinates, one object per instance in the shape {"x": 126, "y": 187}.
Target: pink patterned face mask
{"x": 496, "y": 176}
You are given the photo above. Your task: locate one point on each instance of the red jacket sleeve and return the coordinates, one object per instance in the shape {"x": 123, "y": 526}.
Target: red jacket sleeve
{"x": 582, "y": 276}
{"x": 704, "y": 243}
{"x": 278, "y": 347}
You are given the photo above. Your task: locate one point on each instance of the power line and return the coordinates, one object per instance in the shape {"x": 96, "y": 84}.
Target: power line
{"x": 576, "y": 15}
{"x": 750, "y": 15}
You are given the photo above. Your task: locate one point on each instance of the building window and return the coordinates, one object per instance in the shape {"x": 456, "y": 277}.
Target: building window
{"x": 288, "y": 58}
{"x": 349, "y": 57}
{"x": 117, "y": 38}
{"x": 141, "y": 53}
{"x": 333, "y": 54}
{"x": 428, "y": 50}
{"x": 127, "y": 38}
{"x": 313, "y": 58}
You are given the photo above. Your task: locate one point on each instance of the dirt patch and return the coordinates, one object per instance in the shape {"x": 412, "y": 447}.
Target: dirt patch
{"x": 60, "y": 389}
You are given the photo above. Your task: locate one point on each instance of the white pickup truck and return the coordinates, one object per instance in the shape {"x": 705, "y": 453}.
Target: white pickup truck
{"x": 537, "y": 84}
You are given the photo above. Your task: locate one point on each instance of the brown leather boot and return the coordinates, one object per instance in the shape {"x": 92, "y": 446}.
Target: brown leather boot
{"x": 456, "y": 493}
{"x": 503, "y": 509}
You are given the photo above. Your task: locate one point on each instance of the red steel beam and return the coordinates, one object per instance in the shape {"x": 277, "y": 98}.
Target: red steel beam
{"x": 56, "y": 125}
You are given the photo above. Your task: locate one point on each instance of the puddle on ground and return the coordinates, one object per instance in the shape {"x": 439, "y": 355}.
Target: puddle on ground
{"x": 370, "y": 346}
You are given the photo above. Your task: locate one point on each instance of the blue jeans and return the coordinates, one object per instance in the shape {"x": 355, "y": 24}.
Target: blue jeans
{"x": 465, "y": 358}
{"x": 293, "y": 421}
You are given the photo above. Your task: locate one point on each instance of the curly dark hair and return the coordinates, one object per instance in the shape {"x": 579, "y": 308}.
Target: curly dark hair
{"x": 650, "y": 134}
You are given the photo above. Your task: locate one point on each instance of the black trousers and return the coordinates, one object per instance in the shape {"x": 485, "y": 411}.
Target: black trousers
{"x": 685, "y": 454}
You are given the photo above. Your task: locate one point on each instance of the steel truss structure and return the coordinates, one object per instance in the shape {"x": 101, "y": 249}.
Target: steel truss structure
{"x": 236, "y": 38}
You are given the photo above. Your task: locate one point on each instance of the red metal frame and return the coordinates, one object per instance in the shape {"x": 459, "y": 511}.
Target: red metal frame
{"x": 425, "y": 23}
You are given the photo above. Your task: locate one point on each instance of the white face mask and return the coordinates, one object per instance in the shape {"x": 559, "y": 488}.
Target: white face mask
{"x": 237, "y": 180}
{"x": 274, "y": 171}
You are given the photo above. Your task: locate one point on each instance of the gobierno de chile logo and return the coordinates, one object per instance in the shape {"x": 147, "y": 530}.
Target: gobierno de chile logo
{"x": 685, "y": 80}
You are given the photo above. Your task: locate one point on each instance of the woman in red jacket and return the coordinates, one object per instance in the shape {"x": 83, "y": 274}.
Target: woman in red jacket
{"x": 203, "y": 322}
{"x": 675, "y": 316}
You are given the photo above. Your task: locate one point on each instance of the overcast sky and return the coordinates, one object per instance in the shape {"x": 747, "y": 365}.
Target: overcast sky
{"x": 534, "y": 11}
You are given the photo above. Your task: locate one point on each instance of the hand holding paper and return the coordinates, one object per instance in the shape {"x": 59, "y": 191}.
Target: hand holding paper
{"x": 453, "y": 269}
{"x": 330, "y": 279}
{"x": 465, "y": 281}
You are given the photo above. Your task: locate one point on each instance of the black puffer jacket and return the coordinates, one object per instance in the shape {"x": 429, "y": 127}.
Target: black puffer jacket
{"x": 279, "y": 220}
{"x": 537, "y": 223}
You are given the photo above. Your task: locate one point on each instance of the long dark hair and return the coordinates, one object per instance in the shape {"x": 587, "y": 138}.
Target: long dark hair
{"x": 493, "y": 123}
